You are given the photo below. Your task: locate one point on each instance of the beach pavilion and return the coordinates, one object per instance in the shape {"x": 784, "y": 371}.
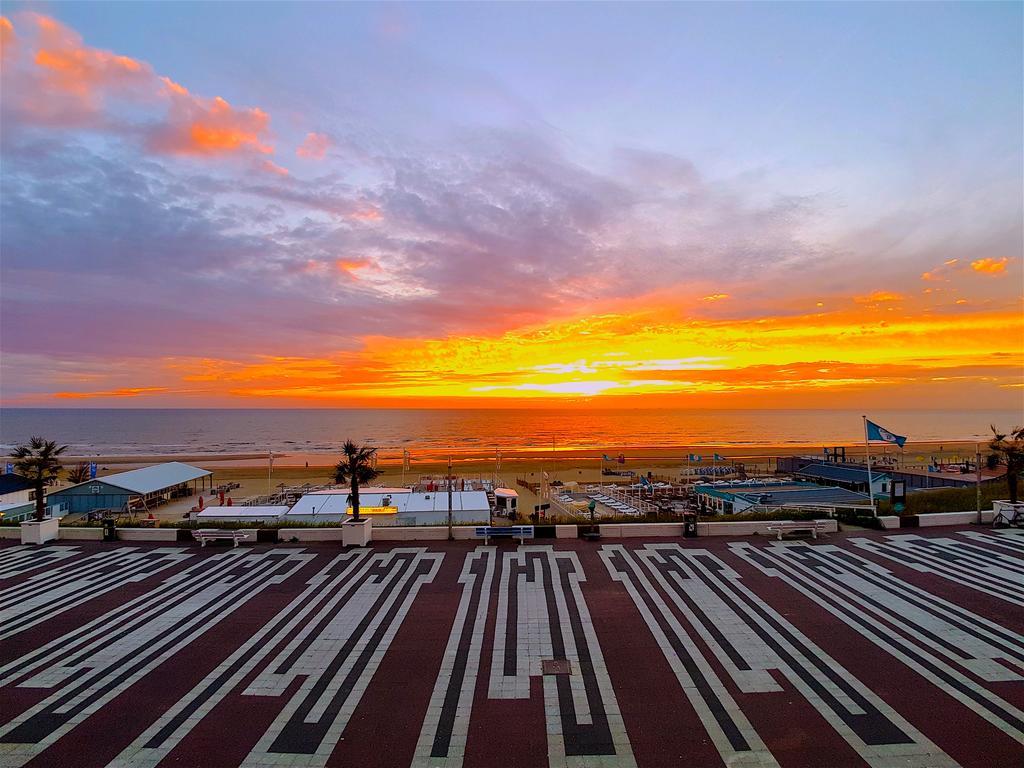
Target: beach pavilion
{"x": 135, "y": 490}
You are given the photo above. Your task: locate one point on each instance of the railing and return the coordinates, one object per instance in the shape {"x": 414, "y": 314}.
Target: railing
{"x": 829, "y": 509}
{"x": 632, "y": 499}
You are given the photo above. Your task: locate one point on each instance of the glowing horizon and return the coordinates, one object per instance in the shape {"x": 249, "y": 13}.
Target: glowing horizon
{"x": 455, "y": 228}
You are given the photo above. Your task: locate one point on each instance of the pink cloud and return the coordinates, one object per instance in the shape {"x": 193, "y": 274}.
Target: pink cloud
{"x": 59, "y": 81}
{"x": 314, "y": 146}
{"x": 271, "y": 167}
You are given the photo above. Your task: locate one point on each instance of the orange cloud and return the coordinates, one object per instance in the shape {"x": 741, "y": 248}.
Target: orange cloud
{"x": 70, "y": 67}
{"x": 351, "y": 266}
{"x": 990, "y": 266}
{"x": 716, "y": 297}
{"x": 61, "y": 81}
{"x": 197, "y": 126}
{"x": 878, "y": 297}
{"x": 986, "y": 266}
{"x": 314, "y": 146}
{"x": 6, "y": 37}
{"x": 123, "y": 392}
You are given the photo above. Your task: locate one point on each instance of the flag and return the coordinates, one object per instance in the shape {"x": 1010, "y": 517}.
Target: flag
{"x": 881, "y": 434}
{"x": 719, "y": 458}
{"x": 695, "y": 457}
{"x": 645, "y": 482}
{"x": 9, "y": 469}
{"x": 92, "y": 470}
{"x": 606, "y": 457}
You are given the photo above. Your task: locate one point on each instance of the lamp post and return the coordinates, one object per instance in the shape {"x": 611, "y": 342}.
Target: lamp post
{"x": 451, "y": 533}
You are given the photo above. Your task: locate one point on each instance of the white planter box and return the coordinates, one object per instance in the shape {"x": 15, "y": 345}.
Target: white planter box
{"x": 34, "y": 532}
{"x": 356, "y": 534}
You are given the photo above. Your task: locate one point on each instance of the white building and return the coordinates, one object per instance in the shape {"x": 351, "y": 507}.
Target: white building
{"x": 392, "y": 506}
{"x": 15, "y": 489}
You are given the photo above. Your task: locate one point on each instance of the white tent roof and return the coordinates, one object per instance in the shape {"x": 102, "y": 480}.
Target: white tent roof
{"x": 222, "y": 513}
{"x": 405, "y": 502}
{"x": 155, "y": 478}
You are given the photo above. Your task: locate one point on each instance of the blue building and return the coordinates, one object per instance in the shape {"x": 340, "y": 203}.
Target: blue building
{"x": 734, "y": 498}
{"x": 851, "y": 478}
{"x": 137, "y": 490}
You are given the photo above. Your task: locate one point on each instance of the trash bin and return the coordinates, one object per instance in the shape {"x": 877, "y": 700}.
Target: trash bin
{"x": 109, "y": 531}
{"x": 690, "y": 524}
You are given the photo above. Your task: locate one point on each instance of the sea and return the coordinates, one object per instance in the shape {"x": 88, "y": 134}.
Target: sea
{"x": 129, "y": 432}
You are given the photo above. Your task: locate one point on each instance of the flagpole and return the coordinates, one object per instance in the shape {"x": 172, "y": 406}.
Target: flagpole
{"x": 867, "y": 457}
{"x": 977, "y": 478}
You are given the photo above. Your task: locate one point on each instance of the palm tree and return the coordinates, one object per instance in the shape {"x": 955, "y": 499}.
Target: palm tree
{"x": 1010, "y": 447}
{"x": 78, "y": 473}
{"x": 39, "y": 463}
{"x": 356, "y": 467}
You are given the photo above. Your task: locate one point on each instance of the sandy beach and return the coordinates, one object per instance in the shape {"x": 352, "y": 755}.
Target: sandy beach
{"x": 254, "y": 477}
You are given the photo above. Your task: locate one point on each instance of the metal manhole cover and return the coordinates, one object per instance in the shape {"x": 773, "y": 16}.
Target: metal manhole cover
{"x": 556, "y": 667}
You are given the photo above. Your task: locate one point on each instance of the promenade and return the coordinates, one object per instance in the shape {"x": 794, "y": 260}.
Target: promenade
{"x": 855, "y": 650}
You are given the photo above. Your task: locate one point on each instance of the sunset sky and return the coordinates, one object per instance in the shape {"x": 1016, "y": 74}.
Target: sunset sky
{"x": 793, "y": 205}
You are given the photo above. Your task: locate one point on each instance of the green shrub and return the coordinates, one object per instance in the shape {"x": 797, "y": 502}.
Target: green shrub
{"x": 949, "y": 499}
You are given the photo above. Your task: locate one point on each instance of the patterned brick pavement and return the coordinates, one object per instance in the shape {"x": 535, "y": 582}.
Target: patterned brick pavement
{"x": 862, "y": 650}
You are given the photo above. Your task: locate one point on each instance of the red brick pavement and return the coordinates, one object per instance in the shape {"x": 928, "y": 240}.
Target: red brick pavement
{"x": 662, "y": 726}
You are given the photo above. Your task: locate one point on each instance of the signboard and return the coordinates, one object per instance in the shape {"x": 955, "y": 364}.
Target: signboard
{"x": 376, "y": 510}
{"x": 9, "y": 469}
{"x": 92, "y": 470}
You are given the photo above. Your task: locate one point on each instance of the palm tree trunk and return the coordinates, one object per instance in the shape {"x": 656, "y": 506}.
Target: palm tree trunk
{"x": 40, "y": 504}
{"x": 355, "y": 499}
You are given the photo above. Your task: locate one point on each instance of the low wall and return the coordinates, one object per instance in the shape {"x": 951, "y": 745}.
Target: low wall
{"x": 753, "y": 528}
{"x": 147, "y": 534}
{"x": 79, "y": 534}
{"x": 953, "y": 518}
{"x": 634, "y": 530}
{"x": 285, "y": 535}
{"x": 10, "y": 532}
{"x": 566, "y": 532}
{"x": 889, "y": 522}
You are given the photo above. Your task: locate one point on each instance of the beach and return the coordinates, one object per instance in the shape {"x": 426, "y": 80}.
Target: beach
{"x": 256, "y": 478}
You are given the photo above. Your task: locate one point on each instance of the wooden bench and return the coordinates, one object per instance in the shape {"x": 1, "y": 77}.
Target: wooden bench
{"x": 520, "y": 532}
{"x": 783, "y": 527}
{"x": 203, "y": 535}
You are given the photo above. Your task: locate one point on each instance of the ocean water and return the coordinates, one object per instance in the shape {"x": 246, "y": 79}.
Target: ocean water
{"x": 116, "y": 432}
